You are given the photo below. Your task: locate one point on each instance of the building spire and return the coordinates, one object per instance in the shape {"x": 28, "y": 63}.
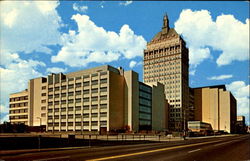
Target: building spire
{"x": 165, "y": 22}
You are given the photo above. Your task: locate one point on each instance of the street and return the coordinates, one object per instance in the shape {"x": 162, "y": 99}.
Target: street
{"x": 230, "y": 148}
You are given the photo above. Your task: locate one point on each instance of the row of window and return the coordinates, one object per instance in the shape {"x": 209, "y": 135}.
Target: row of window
{"x": 159, "y": 52}
{"x": 144, "y": 102}
{"x": 78, "y": 100}
{"x": 71, "y": 116}
{"x": 18, "y": 98}
{"x": 87, "y": 91}
{"x": 87, "y": 83}
{"x": 79, "y": 108}
{"x": 149, "y": 61}
{"x": 163, "y": 63}
{"x": 18, "y": 111}
{"x": 18, "y": 117}
{"x": 152, "y": 75}
{"x": 84, "y": 123}
{"x": 19, "y": 105}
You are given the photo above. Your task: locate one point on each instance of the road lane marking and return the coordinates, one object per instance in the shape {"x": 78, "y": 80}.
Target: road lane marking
{"x": 194, "y": 150}
{"x": 151, "y": 151}
{"x": 46, "y": 159}
{"x": 223, "y": 143}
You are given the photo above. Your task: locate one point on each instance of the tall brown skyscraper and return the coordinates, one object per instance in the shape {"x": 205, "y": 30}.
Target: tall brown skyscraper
{"x": 166, "y": 61}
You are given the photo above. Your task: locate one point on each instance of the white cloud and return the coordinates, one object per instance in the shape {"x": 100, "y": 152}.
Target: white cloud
{"x": 126, "y": 3}
{"x": 101, "y": 4}
{"x": 241, "y": 92}
{"x": 78, "y": 8}
{"x": 4, "y": 109}
{"x": 4, "y": 117}
{"x": 220, "y": 77}
{"x": 94, "y": 44}
{"x": 225, "y": 34}
{"x": 4, "y": 113}
{"x": 132, "y": 64}
{"x": 56, "y": 70}
{"x": 192, "y": 72}
{"x": 29, "y": 26}
{"x": 15, "y": 73}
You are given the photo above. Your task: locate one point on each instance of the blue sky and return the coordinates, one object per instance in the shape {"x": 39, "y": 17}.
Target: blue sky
{"x": 42, "y": 37}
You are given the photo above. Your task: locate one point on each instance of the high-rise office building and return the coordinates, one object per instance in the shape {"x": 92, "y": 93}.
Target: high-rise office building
{"x": 166, "y": 61}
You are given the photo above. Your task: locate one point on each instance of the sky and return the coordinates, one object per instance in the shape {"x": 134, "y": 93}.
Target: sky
{"x": 41, "y": 37}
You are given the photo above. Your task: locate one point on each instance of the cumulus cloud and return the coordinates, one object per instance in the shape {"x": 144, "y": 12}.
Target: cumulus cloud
{"x": 132, "y": 64}
{"x": 126, "y": 3}
{"x": 32, "y": 26}
{"x": 14, "y": 74}
{"x": 4, "y": 113}
{"x": 4, "y": 117}
{"x": 225, "y": 34}
{"x": 4, "y": 109}
{"x": 94, "y": 44}
{"x": 220, "y": 77}
{"x": 79, "y": 8}
{"x": 241, "y": 92}
{"x": 56, "y": 70}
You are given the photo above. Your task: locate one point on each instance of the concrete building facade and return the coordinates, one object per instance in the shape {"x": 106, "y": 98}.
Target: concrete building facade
{"x": 166, "y": 61}
{"x": 18, "y": 108}
{"x": 215, "y": 105}
{"x": 98, "y": 99}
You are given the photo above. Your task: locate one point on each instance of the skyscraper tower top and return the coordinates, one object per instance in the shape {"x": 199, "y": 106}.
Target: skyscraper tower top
{"x": 165, "y": 22}
{"x": 166, "y": 32}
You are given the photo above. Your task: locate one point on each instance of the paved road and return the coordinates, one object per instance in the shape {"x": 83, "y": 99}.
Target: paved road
{"x": 231, "y": 148}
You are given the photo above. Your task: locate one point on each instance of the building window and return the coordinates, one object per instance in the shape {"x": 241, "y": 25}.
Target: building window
{"x": 71, "y": 94}
{"x": 103, "y": 81}
{"x": 103, "y": 89}
{"x": 85, "y": 107}
{"x": 70, "y": 86}
{"x": 102, "y": 106}
{"x": 86, "y": 91}
{"x": 94, "y": 106}
{"x": 78, "y": 92}
{"x": 86, "y": 115}
{"x": 78, "y": 108}
{"x": 94, "y": 90}
{"x": 103, "y": 114}
{"x": 94, "y": 114}
{"x": 94, "y": 123}
{"x": 86, "y": 83}
{"x": 63, "y": 87}
{"x": 94, "y": 82}
{"x": 78, "y": 100}
{"x": 94, "y": 98}
{"x": 85, "y": 99}
{"x": 78, "y": 84}
{"x": 43, "y": 94}
{"x": 103, "y": 98}
{"x": 43, "y": 101}
{"x": 43, "y": 87}
{"x": 70, "y": 109}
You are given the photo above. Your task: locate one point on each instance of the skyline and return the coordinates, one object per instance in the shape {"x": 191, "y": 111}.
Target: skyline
{"x": 87, "y": 34}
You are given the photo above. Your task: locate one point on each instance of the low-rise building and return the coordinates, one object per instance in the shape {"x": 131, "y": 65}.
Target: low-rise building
{"x": 241, "y": 125}
{"x": 18, "y": 108}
